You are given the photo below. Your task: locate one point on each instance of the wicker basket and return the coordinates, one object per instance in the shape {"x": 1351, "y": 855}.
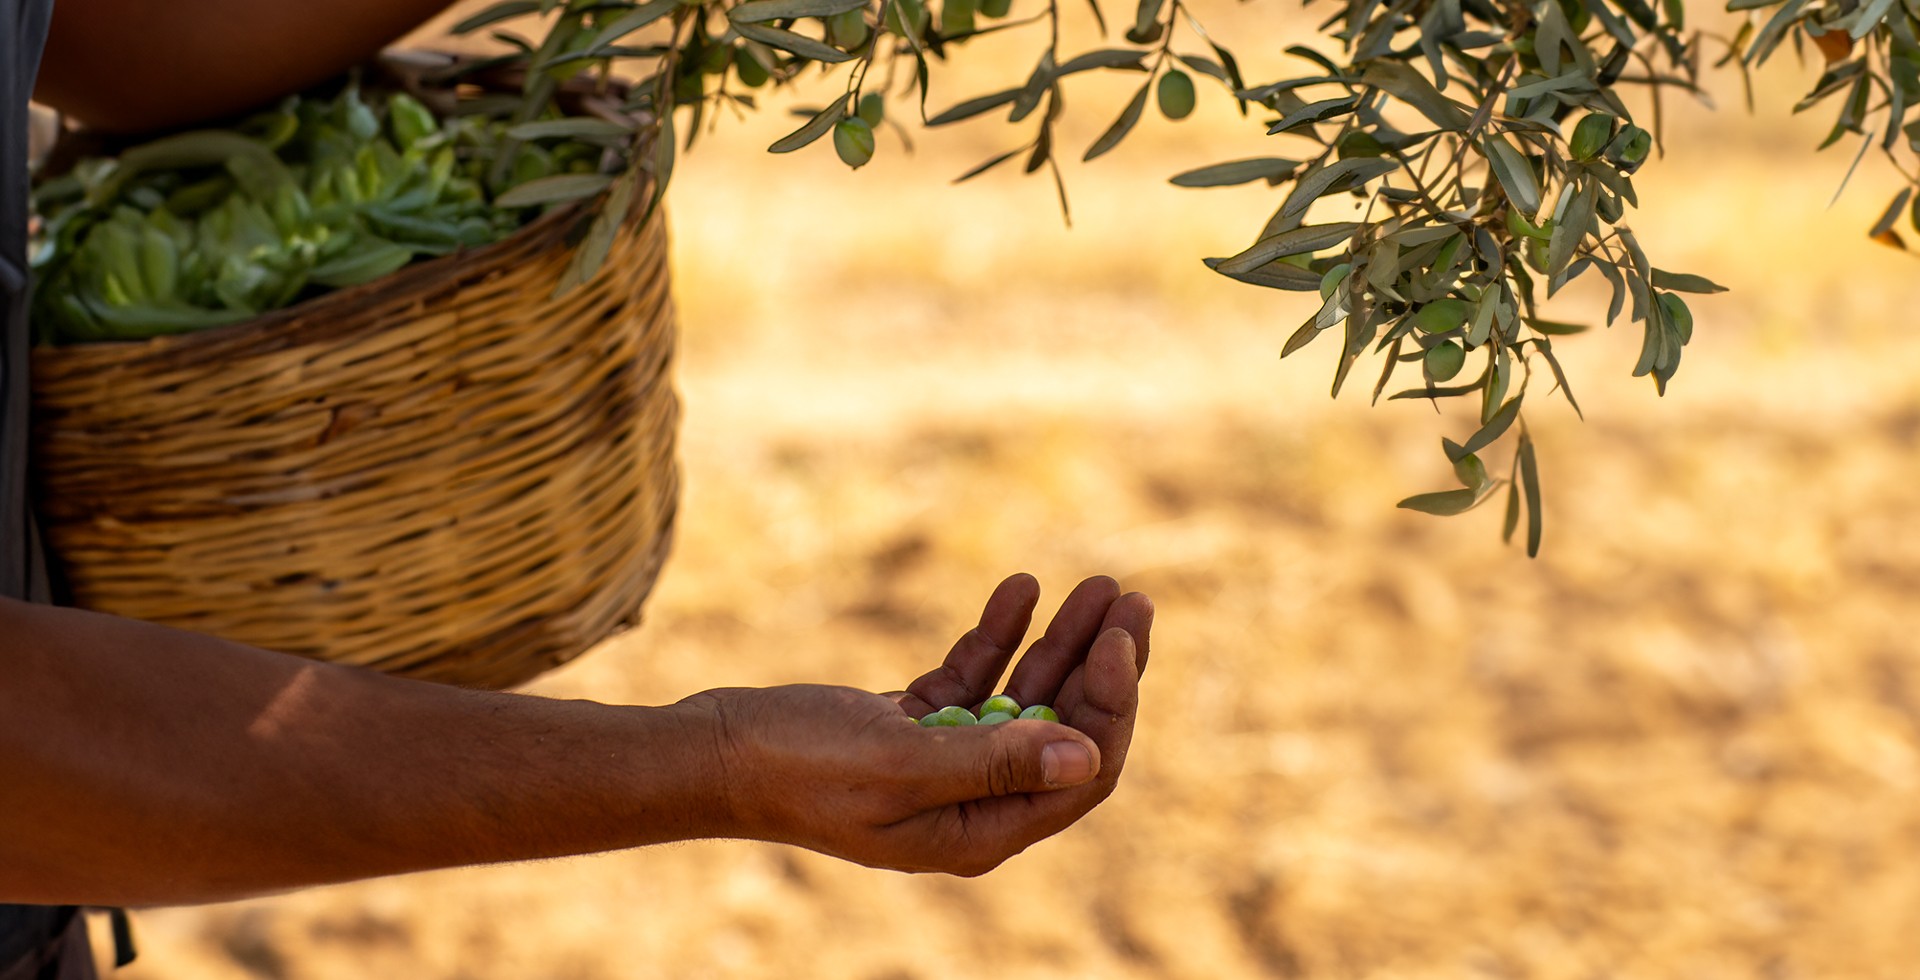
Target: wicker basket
{"x": 448, "y": 474}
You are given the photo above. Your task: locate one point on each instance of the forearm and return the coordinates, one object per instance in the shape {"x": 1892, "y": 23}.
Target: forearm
{"x": 150, "y": 766}
{"x": 144, "y": 64}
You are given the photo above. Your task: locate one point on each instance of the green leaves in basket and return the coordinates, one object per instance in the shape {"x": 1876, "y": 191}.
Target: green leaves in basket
{"x": 208, "y": 228}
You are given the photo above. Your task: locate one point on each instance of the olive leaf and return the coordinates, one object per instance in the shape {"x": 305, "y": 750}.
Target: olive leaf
{"x": 762, "y": 11}
{"x": 1514, "y": 173}
{"x": 1683, "y": 283}
{"x": 1447, "y": 503}
{"x": 1121, "y": 126}
{"x": 574, "y": 128}
{"x": 495, "y": 14}
{"x": 631, "y": 21}
{"x": 1270, "y": 169}
{"x": 974, "y": 107}
{"x": 556, "y": 189}
{"x": 1311, "y": 187}
{"x": 820, "y": 125}
{"x": 792, "y": 43}
{"x": 1297, "y": 241}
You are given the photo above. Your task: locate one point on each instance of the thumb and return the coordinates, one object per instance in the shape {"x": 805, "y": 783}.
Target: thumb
{"x": 1014, "y": 757}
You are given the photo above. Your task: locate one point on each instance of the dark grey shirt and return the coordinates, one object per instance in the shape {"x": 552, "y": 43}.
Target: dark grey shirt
{"x": 24, "y": 930}
{"x": 23, "y": 29}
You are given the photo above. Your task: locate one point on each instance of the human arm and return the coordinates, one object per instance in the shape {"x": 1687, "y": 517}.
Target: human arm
{"x": 145, "y": 765}
{"x": 137, "y": 65}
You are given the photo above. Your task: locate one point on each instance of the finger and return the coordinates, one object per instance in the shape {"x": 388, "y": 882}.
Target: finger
{"x": 1110, "y": 685}
{"x": 1038, "y": 676}
{"x": 1133, "y": 612}
{"x": 975, "y": 663}
{"x": 980, "y": 762}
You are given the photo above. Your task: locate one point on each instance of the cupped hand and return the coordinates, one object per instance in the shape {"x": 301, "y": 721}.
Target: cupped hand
{"x": 852, "y": 774}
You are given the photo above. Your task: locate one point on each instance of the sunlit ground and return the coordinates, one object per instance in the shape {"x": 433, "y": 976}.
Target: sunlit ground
{"x": 1684, "y": 742}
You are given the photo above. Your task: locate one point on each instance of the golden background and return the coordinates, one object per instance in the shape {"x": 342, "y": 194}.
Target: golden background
{"x": 1684, "y": 742}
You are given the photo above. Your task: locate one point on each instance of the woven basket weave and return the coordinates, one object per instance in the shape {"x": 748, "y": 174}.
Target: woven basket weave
{"x": 448, "y": 474}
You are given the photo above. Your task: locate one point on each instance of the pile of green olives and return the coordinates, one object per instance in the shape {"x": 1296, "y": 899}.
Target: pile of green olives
{"x": 992, "y": 711}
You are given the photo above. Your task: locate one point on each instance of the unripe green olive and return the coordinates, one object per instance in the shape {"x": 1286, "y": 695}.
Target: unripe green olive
{"x": 902, "y": 14}
{"x": 847, "y": 30}
{"x": 1592, "y": 135}
{"x": 873, "y": 108}
{"x": 752, "y": 73}
{"x": 956, "y": 18}
{"x": 1522, "y": 228}
{"x": 1445, "y": 360}
{"x": 1442, "y": 315}
{"x": 1041, "y": 712}
{"x": 951, "y": 716}
{"x": 853, "y": 140}
{"x": 995, "y": 718}
{"x": 1535, "y": 252}
{"x": 1176, "y": 94}
{"x": 999, "y": 702}
{"x": 995, "y": 8}
{"x": 714, "y": 60}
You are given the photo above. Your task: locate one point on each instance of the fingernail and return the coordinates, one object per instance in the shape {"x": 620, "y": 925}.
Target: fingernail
{"x": 1066, "y": 764}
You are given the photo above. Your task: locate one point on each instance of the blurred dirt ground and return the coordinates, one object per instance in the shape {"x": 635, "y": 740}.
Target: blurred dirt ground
{"x": 1685, "y": 742}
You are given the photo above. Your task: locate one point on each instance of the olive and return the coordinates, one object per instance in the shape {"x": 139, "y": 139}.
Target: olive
{"x": 853, "y": 140}
{"x": 1445, "y": 360}
{"x": 1592, "y": 135}
{"x": 847, "y": 30}
{"x": 752, "y": 73}
{"x": 999, "y": 702}
{"x": 901, "y": 13}
{"x": 1442, "y": 315}
{"x": 1176, "y": 94}
{"x": 951, "y": 716}
{"x": 956, "y": 18}
{"x": 1040, "y": 712}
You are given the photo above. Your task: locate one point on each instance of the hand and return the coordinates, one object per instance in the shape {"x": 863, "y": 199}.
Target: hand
{"x": 853, "y": 775}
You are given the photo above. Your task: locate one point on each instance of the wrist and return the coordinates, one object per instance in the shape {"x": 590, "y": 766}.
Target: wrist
{"x": 709, "y": 779}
